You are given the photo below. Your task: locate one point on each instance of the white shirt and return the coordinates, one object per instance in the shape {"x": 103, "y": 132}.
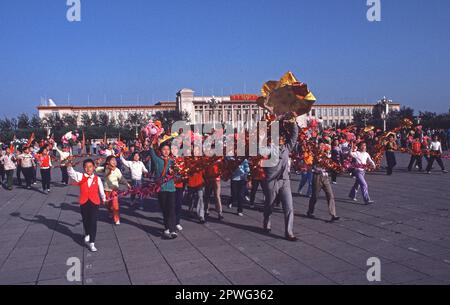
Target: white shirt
{"x": 109, "y": 152}
{"x": 77, "y": 177}
{"x": 63, "y": 155}
{"x": 436, "y": 146}
{"x": 362, "y": 158}
{"x": 8, "y": 162}
{"x": 137, "y": 168}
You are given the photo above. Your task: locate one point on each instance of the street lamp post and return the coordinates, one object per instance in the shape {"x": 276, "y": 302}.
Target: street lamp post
{"x": 384, "y": 102}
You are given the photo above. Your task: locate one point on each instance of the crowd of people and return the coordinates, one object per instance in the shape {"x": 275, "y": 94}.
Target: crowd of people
{"x": 316, "y": 154}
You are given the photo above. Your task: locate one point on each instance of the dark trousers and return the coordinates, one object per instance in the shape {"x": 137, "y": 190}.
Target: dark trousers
{"x": 255, "y": 185}
{"x": 333, "y": 175}
{"x": 34, "y": 175}
{"x": 438, "y": 160}
{"x": 417, "y": 160}
{"x": 238, "y": 189}
{"x": 178, "y": 204}
{"x": 89, "y": 212}
{"x": 391, "y": 161}
{"x": 28, "y": 174}
{"x": 9, "y": 179}
{"x": 65, "y": 176}
{"x": 46, "y": 178}
{"x": 135, "y": 184}
{"x": 167, "y": 203}
{"x": 2, "y": 173}
{"x": 19, "y": 175}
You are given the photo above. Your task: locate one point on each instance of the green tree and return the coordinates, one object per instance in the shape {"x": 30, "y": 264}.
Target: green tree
{"x": 70, "y": 121}
{"x": 103, "y": 119}
{"x": 86, "y": 120}
{"x": 23, "y": 121}
{"x": 35, "y": 122}
{"x": 95, "y": 120}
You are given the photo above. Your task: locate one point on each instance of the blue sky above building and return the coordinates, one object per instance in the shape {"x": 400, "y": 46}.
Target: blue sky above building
{"x": 146, "y": 51}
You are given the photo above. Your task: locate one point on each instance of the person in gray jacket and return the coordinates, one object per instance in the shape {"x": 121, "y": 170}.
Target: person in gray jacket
{"x": 277, "y": 181}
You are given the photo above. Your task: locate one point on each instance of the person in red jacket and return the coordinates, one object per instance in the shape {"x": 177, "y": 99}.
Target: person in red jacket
{"x": 196, "y": 184}
{"x": 212, "y": 184}
{"x": 416, "y": 154}
{"x": 91, "y": 195}
{"x": 45, "y": 163}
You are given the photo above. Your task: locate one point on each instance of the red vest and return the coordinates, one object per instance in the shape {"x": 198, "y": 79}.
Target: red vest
{"x": 45, "y": 161}
{"x": 89, "y": 192}
{"x": 417, "y": 148}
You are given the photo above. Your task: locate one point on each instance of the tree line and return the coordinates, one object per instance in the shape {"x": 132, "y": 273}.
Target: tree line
{"x": 427, "y": 119}
{"x": 95, "y": 126}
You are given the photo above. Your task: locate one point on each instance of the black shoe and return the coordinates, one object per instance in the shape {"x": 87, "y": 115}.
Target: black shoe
{"x": 202, "y": 221}
{"x": 310, "y": 215}
{"x": 267, "y": 230}
{"x": 220, "y": 217}
{"x": 291, "y": 238}
{"x": 335, "y": 218}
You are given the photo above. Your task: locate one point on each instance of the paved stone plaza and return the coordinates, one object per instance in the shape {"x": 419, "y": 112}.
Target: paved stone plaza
{"x": 408, "y": 229}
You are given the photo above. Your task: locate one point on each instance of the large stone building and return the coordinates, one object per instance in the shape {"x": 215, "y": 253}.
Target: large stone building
{"x": 202, "y": 109}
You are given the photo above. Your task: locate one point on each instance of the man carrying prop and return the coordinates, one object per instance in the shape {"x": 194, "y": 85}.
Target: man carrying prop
{"x": 287, "y": 99}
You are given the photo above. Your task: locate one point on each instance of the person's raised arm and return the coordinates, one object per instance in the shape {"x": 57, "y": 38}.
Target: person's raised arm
{"x": 125, "y": 162}
{"x": 73, "y": 174}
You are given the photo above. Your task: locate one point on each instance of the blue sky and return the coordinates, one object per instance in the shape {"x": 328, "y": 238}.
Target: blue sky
{"x": 151, "y": 49}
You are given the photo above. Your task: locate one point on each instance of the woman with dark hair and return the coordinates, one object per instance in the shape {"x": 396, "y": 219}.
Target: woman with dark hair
{"x": 362, "y": 159}
{"x": 391, "y": 147}
{"x": 113, "y": 177}
{"x": 137, "y": 169}
{"x": 166, "y": 196}
{"x": 45, "y": 163}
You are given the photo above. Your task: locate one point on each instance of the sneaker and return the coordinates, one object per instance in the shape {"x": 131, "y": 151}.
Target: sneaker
{"x": 240, "y": 214}
{"x": 48, "y": 191}
{"x": 334, "y": 182}
{"x": 220, "y": 217}
{"x": 247, "y": 198}
{"x": 445, "y": 171}
{"x": 173, "y": 235}
{"x": 117, "y": 223}
{"x": 179, "y": 227}
{"x": 87, "y": 238}
{"x": 166, "y": 233}
{"x": 202, "y": 221}
{"x": 92, "y": 247}
{"x": 230, "y": 206}
{"x": 370, "y": 202}
{"x": 428, "y": 173}
{"x": 28, "y": 187}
